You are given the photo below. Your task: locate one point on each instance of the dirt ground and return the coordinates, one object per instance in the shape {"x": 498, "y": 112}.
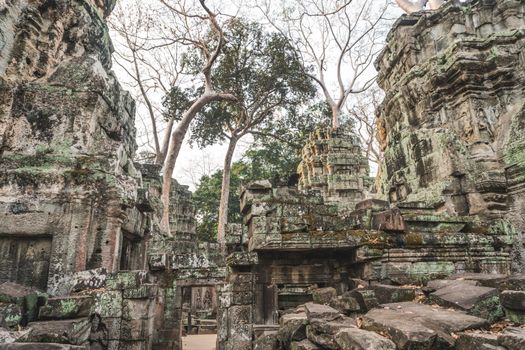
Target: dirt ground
{"x": 199, "y": 342}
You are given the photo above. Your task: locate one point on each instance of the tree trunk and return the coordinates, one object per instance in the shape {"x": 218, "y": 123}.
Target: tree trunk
{"x": 177, "y": 139}
{"x": 165, "y": 143}
{"x": 336, "y": 112}
{"x": 225, "y": 190}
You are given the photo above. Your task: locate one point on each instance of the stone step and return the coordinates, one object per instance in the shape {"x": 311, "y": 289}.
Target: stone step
{"x": 66, "y": 307}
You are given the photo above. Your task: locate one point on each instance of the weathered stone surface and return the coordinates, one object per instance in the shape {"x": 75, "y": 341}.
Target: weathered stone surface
{"x": 304, "y": 345}
{"x": 439, "y": 284}
{"x": 293, "y": 317}
{"x": 513, "y": 299}
{"x": 324, "y": 312}
{"x": 477, "y": 341}
{"x": 82, "y": 280}
{"x": 513, "y": 302}
{"x": 345, "y": 304}
{"x": 325, "y": 341}
{"x": 292, "y": 330}
{"x": 386, "y": 294}
{"x": 75, "y": 332}
{"x": 27, "y": 300}
{"x": 40, "y": 346}
{"x": 10, "y": 336}
{"x": 108, "y": 304}
{"x": 66, "y": 307}
{"x": 267, "y": 342}
{"x": 515, "y": 282}
{"x": 412, "y": 325}
{"x": 126, "y": 280}
{"x": 333, "y": 164}
{"x": 359, "y": 339}
{"x": 365, "y": 297}
{"x": 10, "y": 315}
{"x": 323, "y": 295}
{"x": 512, "y": 338}
{"x": 479, "y": 301}
{"x": 492, "y": 280}
{"x": 331, "y": 327}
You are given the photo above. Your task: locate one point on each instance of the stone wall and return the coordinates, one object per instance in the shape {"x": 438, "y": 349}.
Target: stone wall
{"x": 67, "y": 181}
{"x": 451, "y": 123}
{"x": 82, "y": 259}
{"x": 333, "y": 163}
{"x": 451, "y": 183}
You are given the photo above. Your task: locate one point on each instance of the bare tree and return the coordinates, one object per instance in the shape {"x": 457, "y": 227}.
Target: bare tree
{"x": 339, "y": 39}
{"x": 155, "y": 37}
{"x": 210, "y": 49}
{"x": 362, "y": 110}
{"x": 262, "y": 70}
{"x": 151, "y": 62}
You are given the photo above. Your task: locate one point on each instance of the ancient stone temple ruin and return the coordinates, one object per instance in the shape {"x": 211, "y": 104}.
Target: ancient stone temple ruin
{"x": 449, "y": 203}
{"x": 429, "y": 260}
{"x": 82, "y": 261}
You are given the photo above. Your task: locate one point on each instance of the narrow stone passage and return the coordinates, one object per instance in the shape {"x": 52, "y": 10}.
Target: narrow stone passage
{"x": 199, "y": 342}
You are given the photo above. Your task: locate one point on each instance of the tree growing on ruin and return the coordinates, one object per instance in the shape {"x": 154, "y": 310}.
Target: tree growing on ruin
{"x": 179, "y": 26}
{"x": 262, "y": 71}
{"x": 338, "y": 39}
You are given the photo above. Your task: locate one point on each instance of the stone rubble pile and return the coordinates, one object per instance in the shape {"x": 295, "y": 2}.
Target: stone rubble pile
{"x": 464, "y": 312}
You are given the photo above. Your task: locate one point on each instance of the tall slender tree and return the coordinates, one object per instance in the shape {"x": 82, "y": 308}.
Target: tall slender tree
{"x": 262, "y": 71}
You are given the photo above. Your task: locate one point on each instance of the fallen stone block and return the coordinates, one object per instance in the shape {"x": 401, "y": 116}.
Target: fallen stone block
{"x": 514, "y": 282}
{"x": 74, "y": 332}
{"x": 293, "y": 317}
{"x": 40, "y": 346}
{"x": 359, "y": 339}
{"x": 345, "y": 304}
{"x": 513, "y": 302}
{"x": 10, "y": 315}
{"x": 477, "y": 341}
{"x": 292, "y": 329}
{"x": 332, "y": 327}
{"x": 9, "y": 336}
{"x": 475, "y": 300}
{"x": 323, "y": 295}
{"x": 440, "y": 284}
{"x": 366, "y": 298}
{"x": 512, "y": 338}
{"x": 323, "y": 332}
{"x": 417, "y": 326}
{"x": 325, "y": 341}
{"x": 317, "y": 311}
{"x": 27, "y": 299}
{"x": 267, "y": 341}
{"x": 513, "y": 299}
{"x": 492, "y": 280}
{"x": 66, "y": 307}
{"x": 304, "y": 345}
{"x": 386, "y": 294}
